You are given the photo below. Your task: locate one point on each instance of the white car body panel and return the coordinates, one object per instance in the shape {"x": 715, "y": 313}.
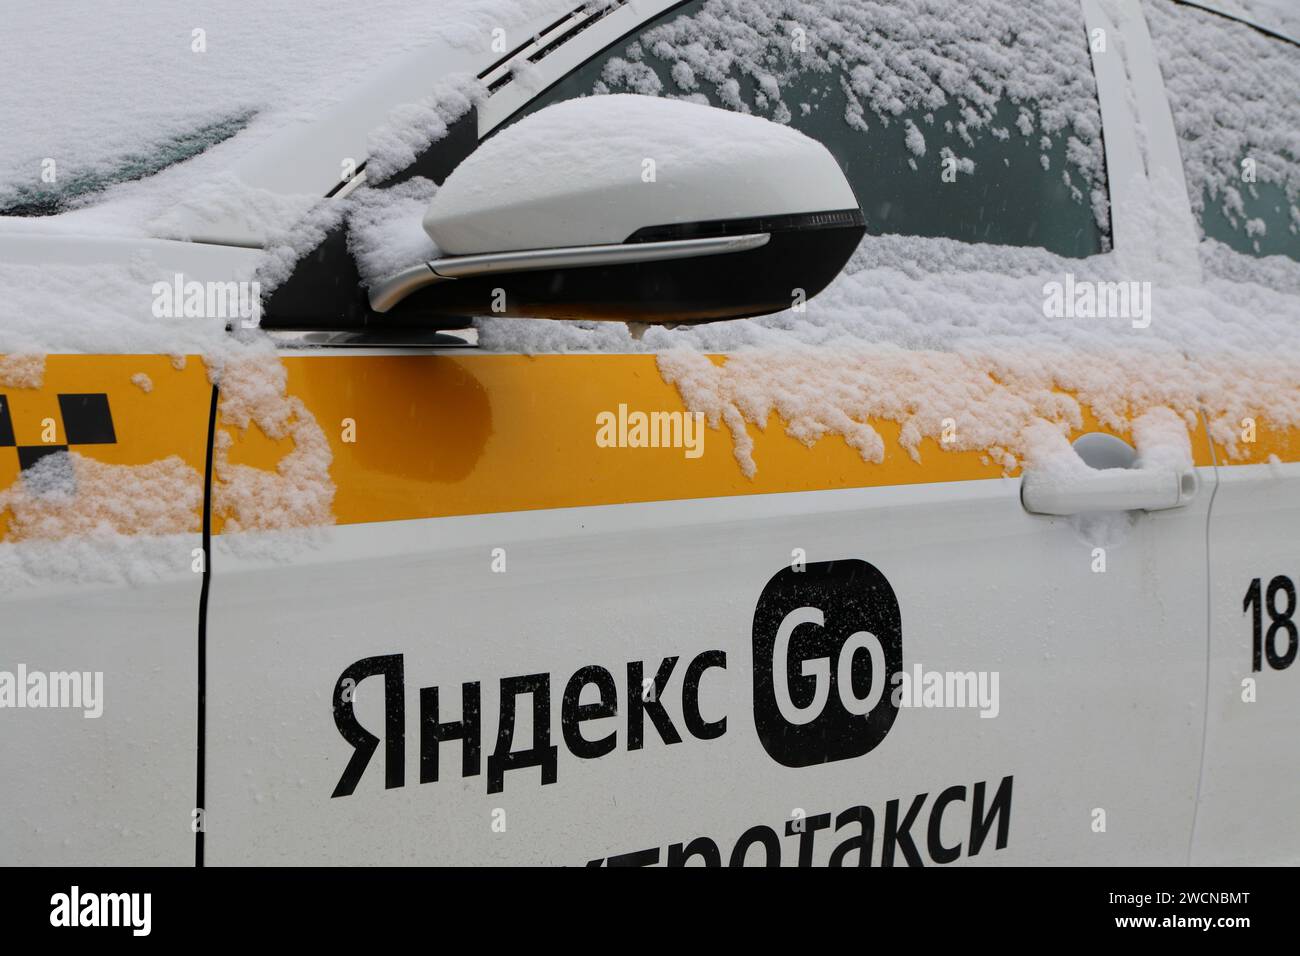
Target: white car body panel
{"x": 1120, "y": 695}
{"x": 1250, "y": 782}
{"x": 981, "y": 584}
{"x": 91, "y": 790}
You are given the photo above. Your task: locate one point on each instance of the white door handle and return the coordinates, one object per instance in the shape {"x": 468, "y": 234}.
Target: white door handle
{"x": 1110, "y": 489}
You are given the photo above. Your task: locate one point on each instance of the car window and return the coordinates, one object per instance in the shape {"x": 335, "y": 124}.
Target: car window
{"x": 983, "y": 128}
{"x": 1233, "y": 93}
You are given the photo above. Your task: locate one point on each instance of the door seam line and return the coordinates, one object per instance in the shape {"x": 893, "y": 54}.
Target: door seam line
{"x": 200, "y": 820}
{"x": 1209, "y": 644}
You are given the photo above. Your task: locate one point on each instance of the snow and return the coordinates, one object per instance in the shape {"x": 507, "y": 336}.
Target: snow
{"x": 75, "y": 518}
{"x": 101, "y": 557}
{"x": 410, "y": 129}
{"x": 96, "y": 89}
{"x": 66, "y": 494}
{"x": 286, "y": 246}
{"x": 62, "y": 297}
{"x": 22, "y": 370}
{"x": 918, "y": 330}
{"x": 95, "y": 295}
{"x": 1161, "y": 440}
{"x": 1282, "y": 16}
{"x": 914, "y": 331}
{"x": 93, "y": 86}
{"x": 890, "y": 59}
{"x": 222, "y": 198}
{"x": 385, "y": 231}
{"x": 383, "y": 224}
{"x": 74, "y": 308}
{"x": 915, "y": 138}
{"x": 1275, "y": 272}
{"x": 633, "y": 161}
{"x": 1233, "y": 92}
{"x": 300, "y": 492}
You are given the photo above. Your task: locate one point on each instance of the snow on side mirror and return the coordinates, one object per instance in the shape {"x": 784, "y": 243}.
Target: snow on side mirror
{"x": 632, "y": 208}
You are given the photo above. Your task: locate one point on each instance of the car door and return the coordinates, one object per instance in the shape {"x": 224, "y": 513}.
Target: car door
{"x": 101, "y": 570}
{"x": 1249, "y": 784}
{"x": 525, "y": 636}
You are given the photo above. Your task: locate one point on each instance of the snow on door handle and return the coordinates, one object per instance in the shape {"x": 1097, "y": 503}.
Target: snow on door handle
{"x": 1110, "y": 489}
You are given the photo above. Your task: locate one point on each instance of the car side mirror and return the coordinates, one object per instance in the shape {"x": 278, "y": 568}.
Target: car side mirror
{"x": 632, "y": 208}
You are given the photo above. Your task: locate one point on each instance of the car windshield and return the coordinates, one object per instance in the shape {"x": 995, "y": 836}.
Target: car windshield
{"x": 53, "y": 193}
{"x": 97, "y": 95}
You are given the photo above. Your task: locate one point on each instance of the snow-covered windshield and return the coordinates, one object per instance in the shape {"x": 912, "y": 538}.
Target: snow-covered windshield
{"x": 54, "y": 193}
{"x": 100, "y": 95}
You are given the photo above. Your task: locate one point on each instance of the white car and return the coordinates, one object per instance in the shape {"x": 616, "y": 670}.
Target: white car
{"x": 714, "y": 432}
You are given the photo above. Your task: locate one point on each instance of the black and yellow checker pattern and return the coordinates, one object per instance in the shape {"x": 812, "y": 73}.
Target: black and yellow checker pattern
{"x": 87, "y": 419}
{"x": 98, "y": 412}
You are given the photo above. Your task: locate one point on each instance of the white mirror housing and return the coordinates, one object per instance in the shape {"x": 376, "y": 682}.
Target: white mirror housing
{"x": 632, "y": 208}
